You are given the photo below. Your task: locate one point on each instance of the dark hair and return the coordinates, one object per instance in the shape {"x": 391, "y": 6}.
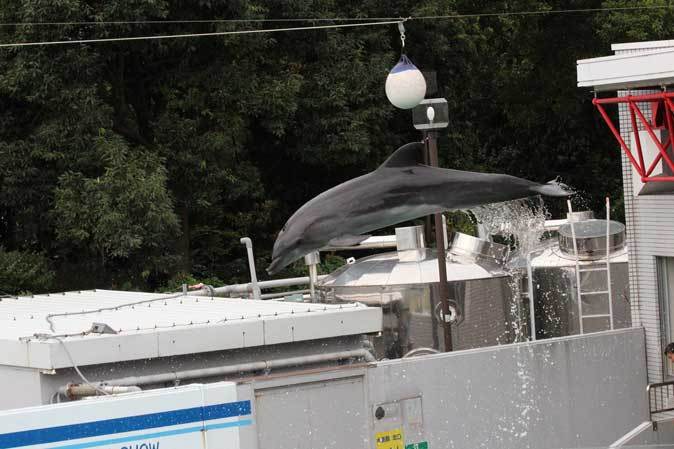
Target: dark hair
{"x": 669, "y": 349}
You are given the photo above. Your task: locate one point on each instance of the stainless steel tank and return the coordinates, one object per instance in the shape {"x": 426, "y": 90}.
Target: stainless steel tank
{"x": 557, "y": 311}
{"x": 405, "y": 284}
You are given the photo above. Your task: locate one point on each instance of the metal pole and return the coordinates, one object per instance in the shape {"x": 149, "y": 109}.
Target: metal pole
{"x": 608, "y": 261}
{"x": 431, "y": 141}
{"x": 530, "y": 287}
{"x": 428, "y": 227}
{"x": 575, "y": 252}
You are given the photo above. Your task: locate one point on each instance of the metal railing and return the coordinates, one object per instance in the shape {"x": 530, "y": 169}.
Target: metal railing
{"x": 660, "y": 397}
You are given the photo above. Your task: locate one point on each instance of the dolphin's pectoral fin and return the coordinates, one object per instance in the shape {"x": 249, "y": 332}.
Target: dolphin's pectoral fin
{"x": 406, "y": 155}
{"x": 347, "y": 240}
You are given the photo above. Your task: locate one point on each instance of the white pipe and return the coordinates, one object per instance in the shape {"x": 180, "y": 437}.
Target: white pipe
{"x": 374, "y": 242}
{"x": 575, "y": 252}
{"x": 248, "y": 288}
{"x": 251, "y": 265}
{"x": 530, "y": 286}
{"x": 608, "y": 262}
{"x": 313, "y": 276}
{"x": 312, "y": 260}
{"x": 241, "y": 368}
{"x": 444, "y": 232}
{"x": 284, "y": 294}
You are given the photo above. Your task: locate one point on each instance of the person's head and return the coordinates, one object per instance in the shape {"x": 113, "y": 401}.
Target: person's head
{"x": 669, "y": 352}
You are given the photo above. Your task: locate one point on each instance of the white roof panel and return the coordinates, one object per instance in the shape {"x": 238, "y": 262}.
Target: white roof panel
{"x": 648, "y": 45}
{"x": 156, "y": 325}
{"x": 627, "y": 71}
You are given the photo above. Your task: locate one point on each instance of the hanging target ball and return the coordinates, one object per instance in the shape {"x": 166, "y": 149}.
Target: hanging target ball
{"x": 405, "y": 84}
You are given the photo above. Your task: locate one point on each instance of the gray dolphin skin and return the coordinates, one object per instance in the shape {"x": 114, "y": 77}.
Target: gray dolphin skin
{"x": 399, "y": 190}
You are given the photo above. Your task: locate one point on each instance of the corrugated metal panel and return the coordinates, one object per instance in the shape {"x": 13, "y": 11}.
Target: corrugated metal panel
{"x": 162, "y": 325}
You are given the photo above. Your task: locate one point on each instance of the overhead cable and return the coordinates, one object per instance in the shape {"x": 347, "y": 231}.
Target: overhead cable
{"x": 339, "y": 19}
{"x": 355, "y": 22}
{"x": 182, "y": 36}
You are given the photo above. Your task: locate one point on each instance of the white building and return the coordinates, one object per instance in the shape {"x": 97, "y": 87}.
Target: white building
{"x": 635, "y": 81}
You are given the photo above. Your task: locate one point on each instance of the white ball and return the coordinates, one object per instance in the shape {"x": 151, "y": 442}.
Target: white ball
{"x": 405, "y": 84}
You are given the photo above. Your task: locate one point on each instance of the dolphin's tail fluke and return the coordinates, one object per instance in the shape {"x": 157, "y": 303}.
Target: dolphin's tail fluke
{"x": 553, "y": 188}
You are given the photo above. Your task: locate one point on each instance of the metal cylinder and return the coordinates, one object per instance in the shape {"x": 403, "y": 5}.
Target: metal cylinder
{"x": 312, "y": 260}
{"x": 591, "y": 238}
{"x": 579, "y": 216}
{"x": 410, "y": 237}
{"x": 410, "y": 243}
{"x": 478, "y": 249}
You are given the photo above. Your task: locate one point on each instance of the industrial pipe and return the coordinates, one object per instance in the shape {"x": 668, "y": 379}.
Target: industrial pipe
{"x": 284, "y": 294}
{"x": 248, "y": 288}
{"x": 75, "y": 391}
{"x": 241, "y": 368}
{"x": 251, "y": 265}
{"x": 374, "y": 242}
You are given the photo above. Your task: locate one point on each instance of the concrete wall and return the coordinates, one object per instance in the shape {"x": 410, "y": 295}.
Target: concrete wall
{"x": 571, "y": 392}
{"x": 580, "y": 391}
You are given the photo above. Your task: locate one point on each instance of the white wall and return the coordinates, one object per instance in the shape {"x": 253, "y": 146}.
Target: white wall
{"x": 650, "y": 233}
{"x": 21, "y": 387}
{"x": 571, "y": 392}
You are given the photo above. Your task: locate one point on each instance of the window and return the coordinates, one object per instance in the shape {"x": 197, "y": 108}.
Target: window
{"x": 666, "y": 293}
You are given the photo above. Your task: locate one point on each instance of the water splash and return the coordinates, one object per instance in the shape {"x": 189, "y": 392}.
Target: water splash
{"x": 521, "y": 224}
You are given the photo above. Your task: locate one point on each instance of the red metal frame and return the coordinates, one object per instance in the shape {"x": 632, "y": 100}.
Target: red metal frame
{"x": 662, "y": 113}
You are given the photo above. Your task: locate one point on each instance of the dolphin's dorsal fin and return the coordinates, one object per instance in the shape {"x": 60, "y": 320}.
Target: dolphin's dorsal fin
{"x": 406, "y": 155}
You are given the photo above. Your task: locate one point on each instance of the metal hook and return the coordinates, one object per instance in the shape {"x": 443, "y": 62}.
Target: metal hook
{"x": 401, "y": 29}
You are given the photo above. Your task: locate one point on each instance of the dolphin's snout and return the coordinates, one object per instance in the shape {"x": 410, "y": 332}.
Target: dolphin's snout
{"x": 554, "y": 189}
{"x": 273, "y": 267}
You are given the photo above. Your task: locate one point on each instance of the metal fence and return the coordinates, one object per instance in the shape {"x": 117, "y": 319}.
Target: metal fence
{"x": 660, "y": 397}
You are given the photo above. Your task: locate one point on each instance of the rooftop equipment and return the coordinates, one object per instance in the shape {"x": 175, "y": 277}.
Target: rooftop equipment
{"x": 128, "y": 339}
{"x": 403, "y": 284}
{"x": 575, "y": 266}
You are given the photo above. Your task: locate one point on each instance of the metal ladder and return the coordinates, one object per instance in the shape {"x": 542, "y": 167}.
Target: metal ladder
{"x": 579, "y": 273}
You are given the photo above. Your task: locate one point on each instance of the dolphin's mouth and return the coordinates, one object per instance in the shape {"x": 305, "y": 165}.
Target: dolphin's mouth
{"x": 273, "y": 267}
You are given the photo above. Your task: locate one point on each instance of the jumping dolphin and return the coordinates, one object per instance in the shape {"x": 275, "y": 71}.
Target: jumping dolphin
{"x": 399, "y": 190}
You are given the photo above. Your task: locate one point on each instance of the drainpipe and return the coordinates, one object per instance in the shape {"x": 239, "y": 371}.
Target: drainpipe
{"x": 251, "y": 265}
{"x": 242, "y": 368}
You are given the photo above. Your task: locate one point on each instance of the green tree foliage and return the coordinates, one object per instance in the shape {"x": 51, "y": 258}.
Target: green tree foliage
{"x": 129, "y": 164}
{"x": 122, "y": 220}
{"x": 646, "y": 25}
{"x": 24, "y": 272}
